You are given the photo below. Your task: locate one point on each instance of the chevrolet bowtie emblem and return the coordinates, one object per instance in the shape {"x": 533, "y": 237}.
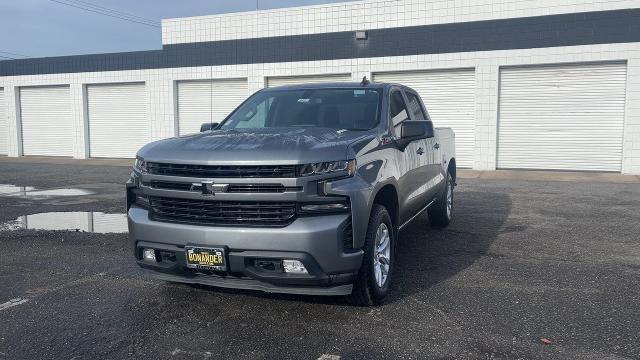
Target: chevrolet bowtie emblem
{"x": 209, "y": 187}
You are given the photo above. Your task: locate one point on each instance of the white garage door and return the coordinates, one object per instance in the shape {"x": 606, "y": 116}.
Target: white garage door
{"x": 449, "y": 96}
{"x": 562, "y": 117}
{"x": 293, "y": 80}
{"x": 119, "y": 124}
{"x": 47, "y": 127}
{"x": 4, "y": 126}
{"x": 204, "y": 101}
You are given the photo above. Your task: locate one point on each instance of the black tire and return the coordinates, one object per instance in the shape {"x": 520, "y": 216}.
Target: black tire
{"x": 439, "y": 214}
{"x": 366, "y": 291}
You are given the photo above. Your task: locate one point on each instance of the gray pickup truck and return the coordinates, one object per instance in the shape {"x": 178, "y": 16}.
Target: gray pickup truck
{"x": 302, "y": 189}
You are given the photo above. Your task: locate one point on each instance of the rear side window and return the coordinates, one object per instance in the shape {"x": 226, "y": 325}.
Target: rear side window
{"x": 397, "y": 111}
{"x": 417, "y": 113}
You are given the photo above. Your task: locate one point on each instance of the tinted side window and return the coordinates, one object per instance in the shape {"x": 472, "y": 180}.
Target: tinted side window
{"x": 415, "y": 108}
{"x": 398, "y": 111}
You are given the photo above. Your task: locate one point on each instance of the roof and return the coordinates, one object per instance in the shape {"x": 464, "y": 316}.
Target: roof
{"x": 330, "y": 85}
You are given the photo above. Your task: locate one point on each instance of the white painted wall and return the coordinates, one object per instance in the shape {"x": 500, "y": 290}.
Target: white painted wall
{"x": 367, "y": 14}
{"x": 162, "y": 102}
{"x": 161, "y": 83}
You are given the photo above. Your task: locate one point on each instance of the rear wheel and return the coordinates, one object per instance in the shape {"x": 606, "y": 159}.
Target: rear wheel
{"x": 440, "y": 213}
{"x": 372, "y": 283}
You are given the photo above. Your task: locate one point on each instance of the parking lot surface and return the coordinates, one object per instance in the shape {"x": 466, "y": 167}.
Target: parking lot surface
{"x": 523, "y": 263}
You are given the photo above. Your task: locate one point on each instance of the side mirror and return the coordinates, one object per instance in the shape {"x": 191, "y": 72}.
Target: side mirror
{"x": 208, "y": 126}
{"x": 414, "y": 130}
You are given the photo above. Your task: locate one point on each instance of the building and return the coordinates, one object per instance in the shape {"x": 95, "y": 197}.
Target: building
{"x": 547, "y": 84}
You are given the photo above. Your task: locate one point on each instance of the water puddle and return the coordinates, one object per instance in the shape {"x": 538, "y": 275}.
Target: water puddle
{"x": 30, "y": 192}
{"x": 80, "y": 221}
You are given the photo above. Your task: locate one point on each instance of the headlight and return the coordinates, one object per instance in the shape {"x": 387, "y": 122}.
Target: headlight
{"x": 134, "y": 180}
{"x": 140, "y": 165}
{"x": 135, "y": 194}
{"x": 328, "y": 167}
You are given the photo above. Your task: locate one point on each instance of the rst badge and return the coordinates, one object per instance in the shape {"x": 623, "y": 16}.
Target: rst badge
{"x": 209, "y": 187}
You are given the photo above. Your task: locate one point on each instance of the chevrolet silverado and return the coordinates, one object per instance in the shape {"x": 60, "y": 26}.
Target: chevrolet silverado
{"x": 302, "y": 189}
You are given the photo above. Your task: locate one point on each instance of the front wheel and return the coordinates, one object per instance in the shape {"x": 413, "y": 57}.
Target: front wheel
{"x": 440, "y": 212}
{"x": 372, "y": 283}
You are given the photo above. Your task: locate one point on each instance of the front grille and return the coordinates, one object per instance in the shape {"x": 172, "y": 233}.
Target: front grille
{"x": 168, "y": 185}
{"x": 233, "y": 188}
{"x": 256, "y": 188}
{"x": 222, "y": 171}
{"x": 222, "y": 213}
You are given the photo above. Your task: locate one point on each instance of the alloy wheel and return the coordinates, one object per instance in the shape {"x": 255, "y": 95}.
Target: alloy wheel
{"x": 382, "y": 254}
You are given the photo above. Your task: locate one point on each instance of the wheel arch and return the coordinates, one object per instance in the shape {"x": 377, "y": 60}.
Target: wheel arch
{"x": 387, "y": 196}
{"x": 452, "y": 169}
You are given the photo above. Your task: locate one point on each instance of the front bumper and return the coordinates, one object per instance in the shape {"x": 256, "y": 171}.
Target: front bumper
{"x": 315, "y": 241}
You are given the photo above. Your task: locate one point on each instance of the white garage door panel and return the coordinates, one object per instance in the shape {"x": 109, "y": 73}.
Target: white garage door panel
{"x": 566, "y": 117}
{"x": 4, "y": 126}
{"x": 47, "y": 127}
{"x": 207, "y": 101}
{"x": 119, "y": 124}
{"x": 293, "y": 80}
{"x": 449, "y": 96}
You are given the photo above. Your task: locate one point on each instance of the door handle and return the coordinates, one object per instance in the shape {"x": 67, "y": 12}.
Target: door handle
{"x": 420, "y": 151}
{"x": 436, "y": 146}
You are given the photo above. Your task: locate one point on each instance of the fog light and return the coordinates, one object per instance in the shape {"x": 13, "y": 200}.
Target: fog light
{"x": 268, "y": 265}
{"x": 149, "y": 255}
{"x": 294, "y": 266}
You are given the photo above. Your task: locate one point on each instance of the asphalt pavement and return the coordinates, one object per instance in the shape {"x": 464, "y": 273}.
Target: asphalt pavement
{"x": 527, "y": 269}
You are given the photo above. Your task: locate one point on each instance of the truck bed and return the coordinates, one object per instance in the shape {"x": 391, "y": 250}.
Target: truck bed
{"x": 447, "y": 139}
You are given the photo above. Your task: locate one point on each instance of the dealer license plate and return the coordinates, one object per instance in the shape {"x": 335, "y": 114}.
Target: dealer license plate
{"x": 205, "y": 258}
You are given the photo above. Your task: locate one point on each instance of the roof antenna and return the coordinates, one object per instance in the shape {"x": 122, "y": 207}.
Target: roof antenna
{"x": 365, "y": 81}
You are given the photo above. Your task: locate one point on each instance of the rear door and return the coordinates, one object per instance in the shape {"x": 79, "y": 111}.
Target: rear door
{"x": 431, "y": 159}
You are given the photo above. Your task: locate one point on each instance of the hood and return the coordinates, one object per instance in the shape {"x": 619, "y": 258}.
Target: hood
{"x": 256, "y": 146}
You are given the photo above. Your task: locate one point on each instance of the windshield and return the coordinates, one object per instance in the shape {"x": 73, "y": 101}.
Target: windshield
{"x": 351, "y": 109}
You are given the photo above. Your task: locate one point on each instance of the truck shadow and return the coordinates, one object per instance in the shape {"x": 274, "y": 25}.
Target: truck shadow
{"x": 426, "y": 256}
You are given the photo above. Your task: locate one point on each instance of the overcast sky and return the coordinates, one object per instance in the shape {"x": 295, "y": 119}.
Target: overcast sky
{"x": 46, "y": 28}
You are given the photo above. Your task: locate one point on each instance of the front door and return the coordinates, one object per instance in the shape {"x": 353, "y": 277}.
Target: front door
{"x": 408, "y": 160}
